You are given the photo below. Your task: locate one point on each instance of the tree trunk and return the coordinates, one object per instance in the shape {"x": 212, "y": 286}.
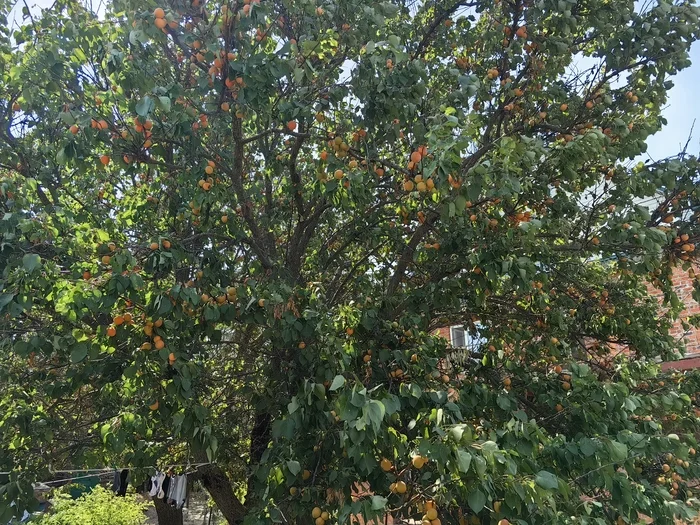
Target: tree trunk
{"x": 167, "y": 515}
{"x": 219, "y": 487}
{"x": 259, "y": 439}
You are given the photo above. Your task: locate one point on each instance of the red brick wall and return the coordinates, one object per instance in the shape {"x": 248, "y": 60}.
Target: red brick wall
{"x": 682, "y": 364}
{"x": 683, "y": 286}
{"x": 445, "y": 333}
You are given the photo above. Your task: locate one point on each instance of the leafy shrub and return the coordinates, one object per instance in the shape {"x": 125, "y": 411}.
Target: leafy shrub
{"x": 98, "y": 507}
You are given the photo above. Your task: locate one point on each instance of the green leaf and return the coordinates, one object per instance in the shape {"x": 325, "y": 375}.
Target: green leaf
{"x": 338, "y": 381}
{"x": 5, "y": 299}
{"x": 457, "y": 431}
{"x": 546, "y": 480}
{"x": 164, "y": 103}
{"x": 374, "y": 411}
{"x": 31, "y": 261}
{"x": 415, "y": 390}
{"x": 460, "y": 204}
{"x": 283, "y": 428}
{"x": 276, "y": 516}
{"x": 618, "y": 451}
{"x": 78, "y": 353}
{"x": 320, "y": 391}
{"x": 476, "y": 501}
{"x": 145, "y": 106}
{"x": 392, "y": 404}
{"x": 61, "y": 157}
{"x": 211, "y": 313}
{"x": 587, "y": 447}
{"x": 464, "y": 459}
{"x": 136, "y": 37}
{"x": 489, "y": 448}
{"x": 358, "y": 398}
{"x": 504, "y": 402}
{"x": 294, "y": 467}
{"x": 378, "y": 502}
{"x": 389, "y": 9}
{"x": 473, "y": 191}
{"x": 200, "y": 412}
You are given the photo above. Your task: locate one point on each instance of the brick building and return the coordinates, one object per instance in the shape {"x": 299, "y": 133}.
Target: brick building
{"x": 457, "y": 336}
{"x": 683, "y": 286}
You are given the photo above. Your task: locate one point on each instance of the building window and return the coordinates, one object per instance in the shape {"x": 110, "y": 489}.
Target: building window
{"x": 457, "y": 336}
{"x": 461, "y": 338}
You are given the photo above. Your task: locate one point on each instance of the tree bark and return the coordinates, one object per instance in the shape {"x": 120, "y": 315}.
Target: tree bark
{"x": 219, "y": 487}
{"x": 259, "y": 439}
{"x": 167, "y": 515}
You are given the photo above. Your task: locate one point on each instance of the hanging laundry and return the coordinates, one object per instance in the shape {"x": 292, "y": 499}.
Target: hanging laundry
{"x": 162, "y": 493}
{"x": 123, "y": 482}
{"x": 159, "y": 484}
{"x": 180, "y": 492}
{"x": 156, "y": 484}
{"x": 115, "y": 482}
{"x": 174, "y": 481}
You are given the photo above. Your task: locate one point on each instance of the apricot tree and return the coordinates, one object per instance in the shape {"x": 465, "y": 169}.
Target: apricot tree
{"x": 231, "y": 229}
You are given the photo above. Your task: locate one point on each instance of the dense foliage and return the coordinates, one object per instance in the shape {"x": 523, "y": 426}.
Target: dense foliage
{"x": 230, "y": 230}
{"x": 97, "y": 507}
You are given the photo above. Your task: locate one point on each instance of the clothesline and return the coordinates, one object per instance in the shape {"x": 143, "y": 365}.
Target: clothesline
{"x": 73, "y": 479}
{"x": 79, "y": 470}
{"x": 104, "y": 471}
{"x": 112, "y": 469}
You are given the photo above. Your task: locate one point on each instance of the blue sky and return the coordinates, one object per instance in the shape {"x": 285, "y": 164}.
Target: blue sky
{"x": 682, "y": 110}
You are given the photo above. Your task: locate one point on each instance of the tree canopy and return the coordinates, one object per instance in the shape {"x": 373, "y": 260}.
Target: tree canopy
{"x": 231, "y": 229}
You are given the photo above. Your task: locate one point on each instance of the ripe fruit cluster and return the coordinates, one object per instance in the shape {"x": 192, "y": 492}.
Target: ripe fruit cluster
{"x": 431, "y": 514}
{"x": 320, "y": 516}
{"x": 339, "y": 147}
{"x": 399, "y": 487}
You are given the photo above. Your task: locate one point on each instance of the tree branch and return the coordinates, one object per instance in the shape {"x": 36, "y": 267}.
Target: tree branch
{"x": 407, "y": 253}
{"x": 439, "y": 19}
{"x": 257, "y": 241}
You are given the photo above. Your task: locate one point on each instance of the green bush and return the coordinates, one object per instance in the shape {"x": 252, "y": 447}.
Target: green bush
{"x": 98, "y": 507}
